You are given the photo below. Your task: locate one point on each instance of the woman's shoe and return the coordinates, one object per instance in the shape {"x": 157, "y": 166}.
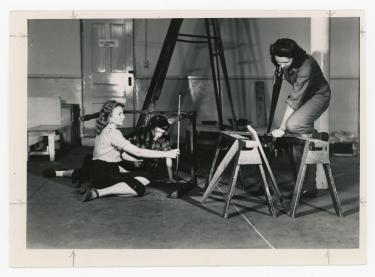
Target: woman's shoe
{"x": 91, "y": 194}
{"x": 49, "y": 173}
{"x": 84, "y": 187}
{"x": 75, "y": 176}
{"x": 324, "y": 136}
{"x": 306, "y": 193}
{"x": 309, "y": 193}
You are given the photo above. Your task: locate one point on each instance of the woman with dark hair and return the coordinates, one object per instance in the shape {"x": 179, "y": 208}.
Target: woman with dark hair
{"x": 308, "y": 99}
{"x": 153, "y": 136}
{"x": 311, "y": 92}
{"x": 110, "y": 146}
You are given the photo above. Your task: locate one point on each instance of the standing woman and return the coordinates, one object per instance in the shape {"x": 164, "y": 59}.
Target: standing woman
{"x": 110, "y": 148}
{"x": 306, "y": 102}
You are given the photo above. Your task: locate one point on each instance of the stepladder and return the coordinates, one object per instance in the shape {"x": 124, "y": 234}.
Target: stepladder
{"x": 246, "y": 149}
{"x": 315, "y": 152}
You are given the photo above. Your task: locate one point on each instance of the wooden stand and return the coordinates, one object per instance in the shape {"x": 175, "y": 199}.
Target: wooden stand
{"x": 49, "y": 131}
{"x": 244, "y": 151}
{"x": 315, "y": 152}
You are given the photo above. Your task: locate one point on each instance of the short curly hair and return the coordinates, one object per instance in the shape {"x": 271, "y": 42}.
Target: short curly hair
{"x": 286, "y": 47}
{"x": 105, "y": 113}
{"x": 158, "y": 121}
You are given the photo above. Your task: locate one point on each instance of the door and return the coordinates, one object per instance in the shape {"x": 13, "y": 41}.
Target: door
{"x": 108, "y": 70}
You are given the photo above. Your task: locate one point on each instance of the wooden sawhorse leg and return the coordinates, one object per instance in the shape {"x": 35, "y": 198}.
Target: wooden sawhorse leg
{"x": 214, "y": 162}
{"x": 332, "y": 189}
{"x": 241, "y": 153}
{"x": 315, "y": 152}
{"x": 267, "y": 192}
{"x": 268, "y": 167}
{"x": 236, "y": 168}
{"x": 51, "y": 146}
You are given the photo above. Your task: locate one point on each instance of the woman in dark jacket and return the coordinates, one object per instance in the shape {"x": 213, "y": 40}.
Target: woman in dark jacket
{"x": 306, "y": 102}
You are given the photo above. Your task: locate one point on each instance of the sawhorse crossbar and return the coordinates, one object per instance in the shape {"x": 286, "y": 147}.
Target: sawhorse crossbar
{"x": 315, "y": 152}
{"x": 244, "y": 151}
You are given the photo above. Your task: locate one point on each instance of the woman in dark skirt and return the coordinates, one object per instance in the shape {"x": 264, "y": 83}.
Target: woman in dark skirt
{"x": 110, "y": 149}
{"x": 153, "y": 136}
{"x": 306, "y": 102}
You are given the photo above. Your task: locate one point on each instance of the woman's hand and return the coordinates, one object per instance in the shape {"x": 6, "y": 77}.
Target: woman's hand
{"x": 278, "y": 133}
{"x": 172, "y": 153}
{"x": 138, "y": 163}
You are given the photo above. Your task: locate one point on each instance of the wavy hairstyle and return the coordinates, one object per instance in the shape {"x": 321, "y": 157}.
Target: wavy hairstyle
{"x": 286, "y": 47}
{"x": 105, "y": 113}
{"x": 158, "y": 121}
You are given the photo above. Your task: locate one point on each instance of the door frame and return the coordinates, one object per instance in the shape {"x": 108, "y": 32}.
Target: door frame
{"x": 86, "y": 78}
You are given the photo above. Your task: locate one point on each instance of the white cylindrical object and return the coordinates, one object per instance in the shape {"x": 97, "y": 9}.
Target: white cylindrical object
{"x": 320, "y": 50}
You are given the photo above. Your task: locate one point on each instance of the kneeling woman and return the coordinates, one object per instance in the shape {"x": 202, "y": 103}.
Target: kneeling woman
{"x": 107, "y": 179}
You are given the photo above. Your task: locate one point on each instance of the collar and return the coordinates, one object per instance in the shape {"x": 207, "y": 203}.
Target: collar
{"x": 112, "y": 125}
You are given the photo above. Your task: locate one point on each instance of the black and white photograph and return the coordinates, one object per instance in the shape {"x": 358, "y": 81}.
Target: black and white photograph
{"x": 196, "y": 136}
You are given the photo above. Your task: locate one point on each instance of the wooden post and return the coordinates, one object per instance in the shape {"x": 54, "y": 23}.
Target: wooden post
{"x": 320, "y": 37}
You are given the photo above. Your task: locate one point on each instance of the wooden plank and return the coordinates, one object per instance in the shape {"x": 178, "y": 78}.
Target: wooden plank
{"x": 250, "y": 157}
{"x": 299, "y": 183}
{"x": 260, "y": 107}
{"x": 273, "y": 179}
{"x": 317, "y": 157}
{"x": 267, "y": 191}
{"x": 220, "y": 169}
{"x": 332, "y": 189}
{"x": 45, "y": 127}
{"x": 236, "y": 168}
{"x": 218, "y": 148}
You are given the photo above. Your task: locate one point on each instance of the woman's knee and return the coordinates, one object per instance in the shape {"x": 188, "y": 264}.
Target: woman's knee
{"x": 292, "y": 126}
{"x": 298, "y": 127}
{"x": 143, "y": 180}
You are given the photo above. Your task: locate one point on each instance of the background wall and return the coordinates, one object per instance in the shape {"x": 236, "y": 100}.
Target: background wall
{"x": 54, "y": 64}
{"x": 54, "y": 59}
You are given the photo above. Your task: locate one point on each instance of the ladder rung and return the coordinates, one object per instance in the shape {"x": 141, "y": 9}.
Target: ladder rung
{"x": 198, "y": 36}
{"x": 191, "y": 41}
{"x": 193, "y": 36}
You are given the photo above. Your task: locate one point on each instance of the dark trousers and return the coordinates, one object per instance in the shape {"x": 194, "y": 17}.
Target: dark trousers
{"x": 82, "y": 174}
{"x": 106, "y": 174}
{"x": 103, "y": 174}
{"x": 302, "y": 122}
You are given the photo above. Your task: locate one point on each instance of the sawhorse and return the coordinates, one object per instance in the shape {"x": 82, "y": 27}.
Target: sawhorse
{"x": 244, "y": 151}
{"x": 315, "y": 152}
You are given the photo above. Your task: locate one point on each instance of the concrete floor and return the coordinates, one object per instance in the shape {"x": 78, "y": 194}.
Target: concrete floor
{"x": 56, "y": 217}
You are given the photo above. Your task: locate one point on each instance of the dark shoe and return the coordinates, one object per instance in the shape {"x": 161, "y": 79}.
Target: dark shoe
{"x": 49, "y": 173}
{"x": 313, "y": 193}
{"x": 321, "y": 136}
{"x": 84, "y": 187}
{"x": 305, "y": 194}
{"x": 91, "y": 194}
{"x": 75, "y": 177}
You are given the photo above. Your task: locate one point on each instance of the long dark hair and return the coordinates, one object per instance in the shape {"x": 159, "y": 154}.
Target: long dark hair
{"x": 104, "y": 114}
{"x": 159, "y": 121}
{"x": 286, "y": 47}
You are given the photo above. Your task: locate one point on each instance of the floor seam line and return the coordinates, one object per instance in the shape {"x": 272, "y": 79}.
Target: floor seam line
{"x": 250, "y": 223}
{"x": 253, "y": 226}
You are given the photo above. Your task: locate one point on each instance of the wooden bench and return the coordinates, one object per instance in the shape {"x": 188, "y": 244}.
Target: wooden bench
{"x": 50, "y": 131}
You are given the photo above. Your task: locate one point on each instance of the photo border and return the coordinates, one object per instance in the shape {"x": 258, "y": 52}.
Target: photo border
{"x": 20, "y": 256}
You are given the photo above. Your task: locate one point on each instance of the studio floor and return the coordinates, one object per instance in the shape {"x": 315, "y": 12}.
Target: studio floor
{"x": 56, "y": 217}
